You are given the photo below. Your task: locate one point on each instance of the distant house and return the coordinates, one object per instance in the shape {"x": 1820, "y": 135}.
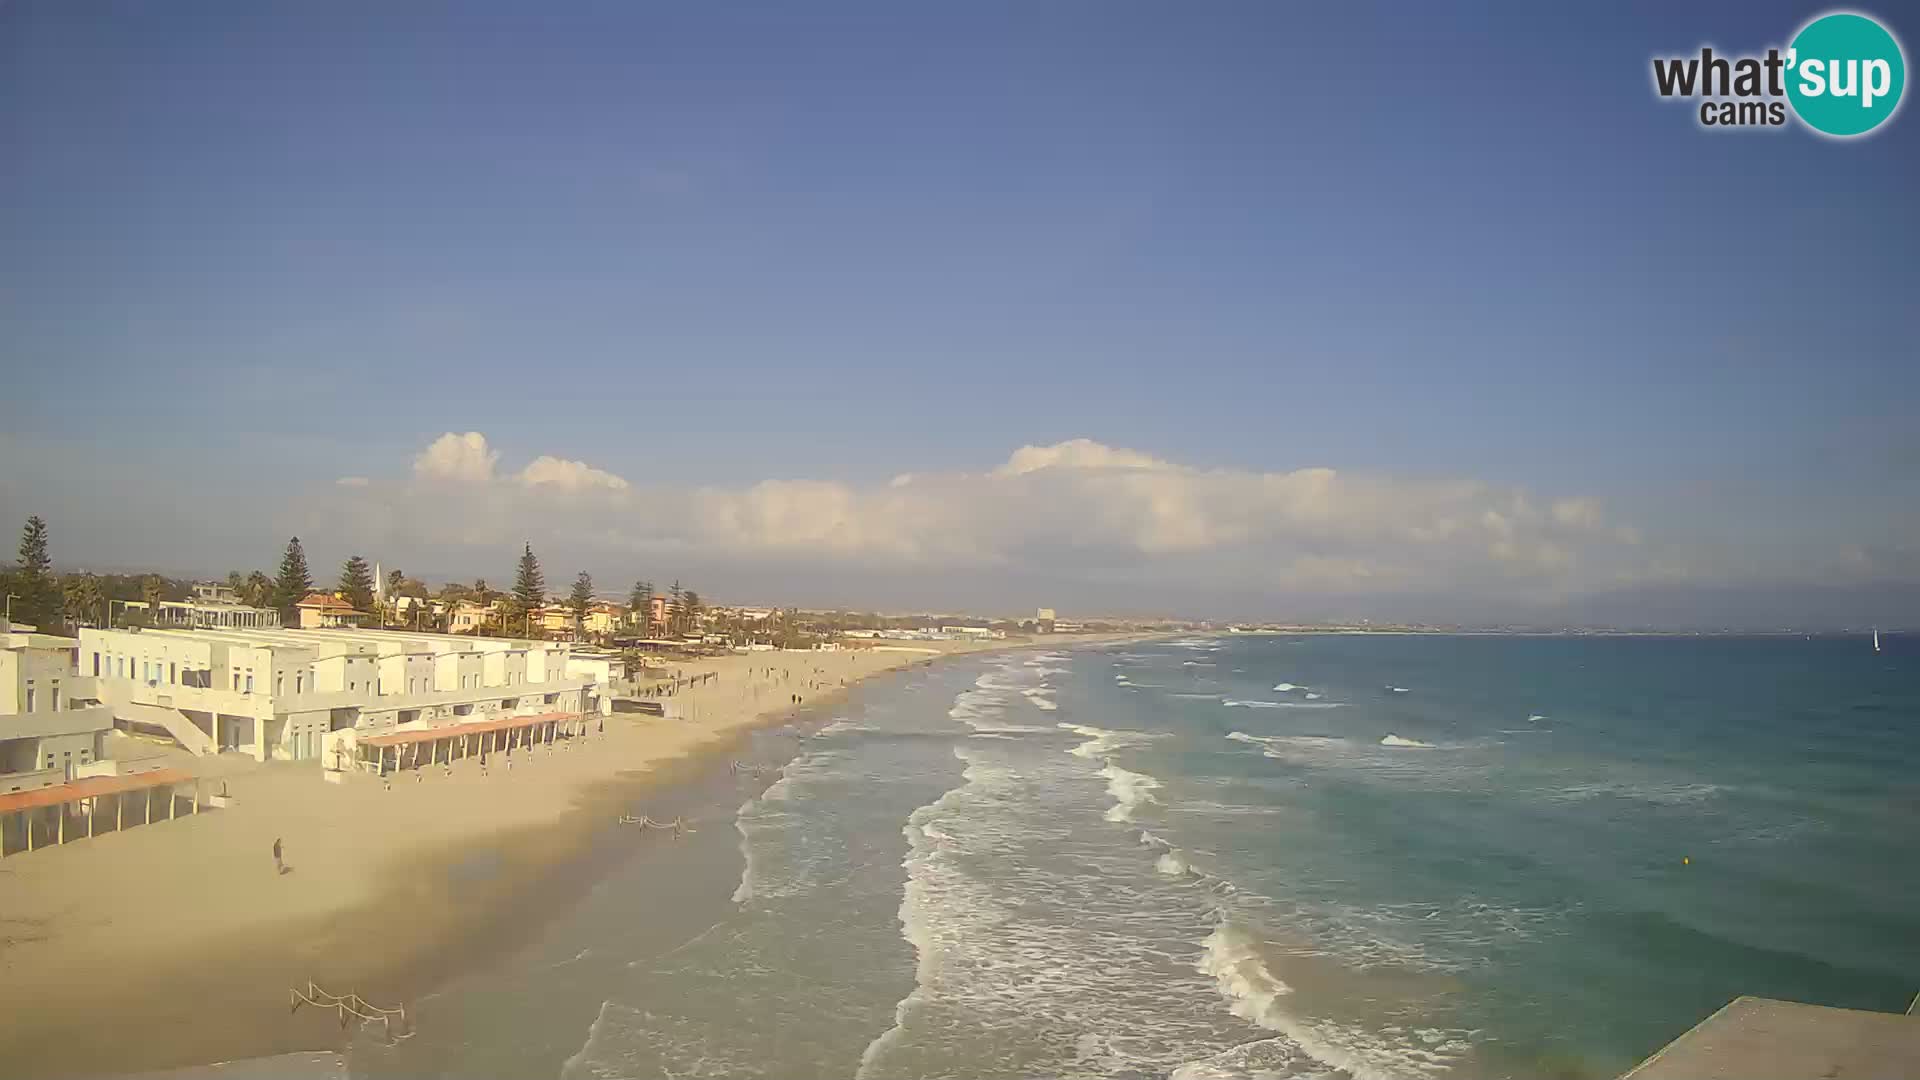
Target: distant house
{"x": 555, "y": 620}
{"x": 469, "y": 618}
{"x": 214, "y": 592}
{"x": 324, "y": 611}
{"x": 605, "y": 618}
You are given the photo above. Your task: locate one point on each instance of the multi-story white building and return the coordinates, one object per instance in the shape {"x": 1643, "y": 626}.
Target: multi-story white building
{"x": 277, "y": 694}
{"x": 50, "y": 722}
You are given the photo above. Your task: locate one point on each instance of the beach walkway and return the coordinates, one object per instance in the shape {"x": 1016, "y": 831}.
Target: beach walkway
{"x": 1786, "y": 1040}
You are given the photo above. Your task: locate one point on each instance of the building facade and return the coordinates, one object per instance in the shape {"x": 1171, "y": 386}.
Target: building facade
{"x": 51, "y": 722}
{"x": 302, "y": 694}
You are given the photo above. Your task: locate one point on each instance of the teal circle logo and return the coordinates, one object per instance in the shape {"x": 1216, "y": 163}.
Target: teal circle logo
{"x": 1845, "y": 74}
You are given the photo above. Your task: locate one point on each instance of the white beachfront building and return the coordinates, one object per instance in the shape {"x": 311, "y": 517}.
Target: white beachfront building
{"x": 276, "y": 694}
{"x": 50, "y": 723}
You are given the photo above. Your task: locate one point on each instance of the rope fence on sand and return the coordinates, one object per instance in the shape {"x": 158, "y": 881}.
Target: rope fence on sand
{"x": 351, "y": 1005}
{"x": 678, "y": 825}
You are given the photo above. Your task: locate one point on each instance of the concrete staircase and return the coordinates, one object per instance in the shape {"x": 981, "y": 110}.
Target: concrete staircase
{"x": 173, "y": 722}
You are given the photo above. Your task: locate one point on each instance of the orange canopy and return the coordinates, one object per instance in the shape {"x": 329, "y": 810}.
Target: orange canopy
{"x": 88, "y": 787}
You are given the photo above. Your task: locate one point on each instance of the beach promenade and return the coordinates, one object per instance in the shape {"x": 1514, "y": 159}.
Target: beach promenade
{"x": 189, "y": 937}
{"x": 1788, "y": 1040}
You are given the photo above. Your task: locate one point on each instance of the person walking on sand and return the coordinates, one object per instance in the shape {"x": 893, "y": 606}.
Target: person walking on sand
{"x": 279, "y": 866}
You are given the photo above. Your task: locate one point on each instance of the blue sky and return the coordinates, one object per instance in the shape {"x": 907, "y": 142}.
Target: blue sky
{"x": 246, "y": 252}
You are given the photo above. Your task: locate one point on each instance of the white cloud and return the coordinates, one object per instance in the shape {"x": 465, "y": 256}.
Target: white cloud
{"x": 460, "y": 458}
{"x": 562, "y": 474}
{"x": 1074, "y": 508}
{"x": 1076, "y": 454}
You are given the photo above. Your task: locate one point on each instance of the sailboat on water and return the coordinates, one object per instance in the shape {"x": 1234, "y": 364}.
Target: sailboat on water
{"x": 1876, "y": 639}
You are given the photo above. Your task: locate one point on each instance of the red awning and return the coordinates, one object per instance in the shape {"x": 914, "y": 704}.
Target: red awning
{"x": 88, "y": 787}
{"x": 456, "y": 731}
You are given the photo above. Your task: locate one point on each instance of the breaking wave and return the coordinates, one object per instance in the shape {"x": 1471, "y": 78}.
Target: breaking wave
{"x": 1132, "y": 792}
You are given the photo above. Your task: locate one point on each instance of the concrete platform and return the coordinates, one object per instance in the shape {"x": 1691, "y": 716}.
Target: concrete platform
{"x": 1784, "y": 1040}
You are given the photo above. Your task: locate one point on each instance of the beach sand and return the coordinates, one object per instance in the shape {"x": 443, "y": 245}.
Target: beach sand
{"x": 177, "y": 943}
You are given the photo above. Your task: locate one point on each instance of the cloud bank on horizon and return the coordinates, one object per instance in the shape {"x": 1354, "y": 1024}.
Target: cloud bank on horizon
{"x": 1073, "y": 508}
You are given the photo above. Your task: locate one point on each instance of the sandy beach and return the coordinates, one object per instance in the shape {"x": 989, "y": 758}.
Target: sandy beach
{"x": 186, "y": 936}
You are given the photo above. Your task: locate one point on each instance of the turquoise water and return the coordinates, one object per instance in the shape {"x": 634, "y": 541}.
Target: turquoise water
{"x": 1250, "y": 857}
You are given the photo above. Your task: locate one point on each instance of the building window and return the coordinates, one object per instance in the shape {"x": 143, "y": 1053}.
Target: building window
{"x": 31, "y": 693}
{"x": 173, "y": 673}
{"x": 299, "y": 678}
{"x": 96, "y": 665}
{"x": 54, "y": 698}
{"x": 249, "y": 683}
{"x": 236, "y": 680}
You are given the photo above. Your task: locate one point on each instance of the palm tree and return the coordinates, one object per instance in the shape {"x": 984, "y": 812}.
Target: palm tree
{"x": 81, "y": 598}
{"x": 257, "y": 590}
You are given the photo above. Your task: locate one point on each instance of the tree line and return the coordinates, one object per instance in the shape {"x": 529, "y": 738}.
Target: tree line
{"x": 36, "y": 595}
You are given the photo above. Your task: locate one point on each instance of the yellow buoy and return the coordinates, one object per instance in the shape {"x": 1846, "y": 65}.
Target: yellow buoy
{"x": 1686, "y": 860}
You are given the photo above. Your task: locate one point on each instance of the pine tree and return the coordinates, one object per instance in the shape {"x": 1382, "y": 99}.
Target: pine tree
{"x": 294, "y": 583}
{"x": 529, "y": 586}
{"x": 580, "y": 600}
{"x": 152, "y": 591}
{"x": 642, "y": 603}
{"x": 692, "y": 600}
{"x": 34, "y": 595}
{"x": 356, "y": 583}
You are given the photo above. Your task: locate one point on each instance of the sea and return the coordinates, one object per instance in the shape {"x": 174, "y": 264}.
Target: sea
{"x": 1239, "y": 856}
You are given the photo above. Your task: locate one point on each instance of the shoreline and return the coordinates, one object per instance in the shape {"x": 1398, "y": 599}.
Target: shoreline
{"x": 183, "y": 934}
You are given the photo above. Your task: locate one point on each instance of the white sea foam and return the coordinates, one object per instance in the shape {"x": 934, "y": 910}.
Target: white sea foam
{"x": 1395, "y": 740}
{"x": 1132, "y": 792}
{"x": 1399, "y": 689}
{"x": 1313, "y": 697}
{"x": 1441, "y": 766}
{"x": 1536, "y": 718}
{"x": 840, "y": 726}
{"x": 1101, "y": 741}
{"x": 605, "y": 1026}
{"x": 1232, "y": 703}
{"x": 1286, "y": 687}
{"x": 1041, "y": 696}
{"x": 743, "y": 892}
{"x": 1172, "y": 864}
{"x": 1233, "y": 956}
{"x": 1012, "y": 932}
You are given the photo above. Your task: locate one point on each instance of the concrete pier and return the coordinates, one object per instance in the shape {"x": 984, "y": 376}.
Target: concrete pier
{"x": 1785, "y": 1040}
